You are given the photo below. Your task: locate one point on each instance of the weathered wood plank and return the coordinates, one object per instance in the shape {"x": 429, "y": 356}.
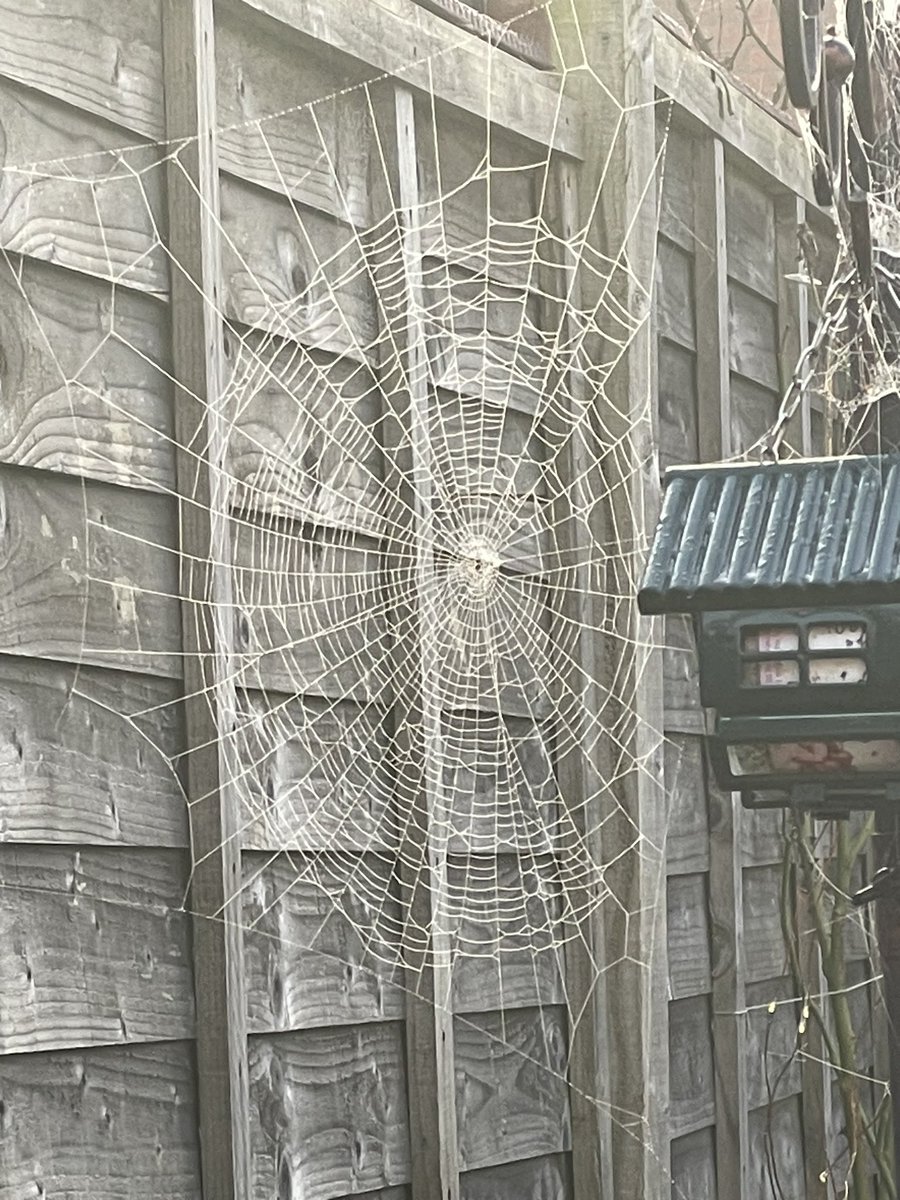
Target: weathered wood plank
{"x": 776, "y": 1166}
{"x": 763, "y": 941}
{"x": 691, "y": 1071}
{"x": 78, "y": 370}
{"x": 88, "y": 573}
{"x": 303, "y": 435}
{"x": 762, "y": 837}
{"x": 291, "y": 120}
{"x": 689, "y": 936}
{"x": 753, "y": 412}
{"x": 547, "y": 1177}
{"x": 687, "y": 841}
{"x": 320, "y": 942}
{"x": 328, "y": 1112}
{"x": 693, "y": 1166}
{"x": 681, "y": 677}
{"x": 487, "y": 227}
{"x": 710, "y": 300}
{"x": 674, "y": 286}
{"x": 108, "y": 65}
{"x": 677, "y": 398}
{"x": 310, "y": 612}
{"x": 773, "y": 1059}
{"x": 311, "y": 774}
{"x": 89, "y": 757}
{"x": 676, "y": 181}
{"x": 753, "y": 336}
{"x": 87, "y": 959}
{"x": 506, "y": 917}
{"x": 293, "y": 272}
{"x": 498, "y": 772}
{"x": 98, "y": 213}
{"x": 751, "y": 234}
{"x": 484, "y": 339}
{"x": 123, "y": 1116}
{"x": 511, "y": 1094}
{"x": 459, "y": 69}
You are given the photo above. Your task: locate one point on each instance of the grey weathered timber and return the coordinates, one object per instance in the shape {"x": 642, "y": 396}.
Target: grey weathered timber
{"x": 693, "y": 1069}
{"x": 793, "y": 313}
{"x": 688, "y": 936}
{"x": 429, "y": 1019}
{"x": 329, "y": 1112}
{"x": 511, "y": 1087}
{"x": 77, "y": 400}
{"x": 197, "y": 355}
{"x": 106, "y": 62}
{"x": 78, "y": 766}
{"x": 725, "y": 813}
{"x": 579, "y": 766}
{"x": 89, "y": 573}
{"x": 461, "y": 70}
{"x": 761, "y": 139}
{"x": 136, "y": 1114}
{"x": 93, "y": 962}
{"x": 546, "y": 1177}
{"x": 620, "y": 220}
{"x": 750, "y": 242}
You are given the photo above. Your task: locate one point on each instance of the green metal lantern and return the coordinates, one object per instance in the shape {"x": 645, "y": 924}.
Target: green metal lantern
{"x": 792, "y": 572}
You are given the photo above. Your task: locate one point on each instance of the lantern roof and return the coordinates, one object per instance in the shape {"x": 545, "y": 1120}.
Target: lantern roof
{"x": 812, "y": 533}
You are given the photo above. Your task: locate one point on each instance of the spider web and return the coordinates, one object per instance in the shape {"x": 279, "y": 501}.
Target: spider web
{"x": 434, "y": 537}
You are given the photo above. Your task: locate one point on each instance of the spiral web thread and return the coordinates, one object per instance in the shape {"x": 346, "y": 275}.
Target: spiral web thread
{"x": 405, "y": 571}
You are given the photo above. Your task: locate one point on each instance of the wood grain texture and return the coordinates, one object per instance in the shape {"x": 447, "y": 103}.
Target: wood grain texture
{"x": 687, "y": 840}
{"x": 117, "y": 1122}
{"x": 328, "y": 1112}
{"x": 763, "y": 941}
{"x": 302, "y": 432}
{"x": 677, "y": 398}
{"x": 547, "y": 1177}
{"x": 292, "y": 272}
{"x": 693, "y": 1166}
{"x": 762, "y": 837}
{"x": 319, "y": 149}
{"x": 87, "y": 573}
{"x": 309, "y": 612}
{"x": 320, "y": 955}
{"x": 457, "y": 68}
{"x": 77, "y": 766}
{"x": 675, "y": 190}
{"x": 86, "y": 959}
{"x": 776, "y": 1151}
{"x": 753, "y": 336}
{"x": 311, "y": 774}
{"x": 99, "y": 213}
{"x": 681, "y": 677}
{"x": 773, "y": 1058}
{"x": 691, "y": 1070}
{"x": 674, "y": 286}
{"x": 507, "y": 918}
{"x": 109, "y": 64}
{"x": 489, "y": 229}
{"x": 689, "y": 936}
{"x": 753, "y": 414}
{"x": 511, "y": 1093}
{"x": 751, "y": 234}
{"x": 498, "y": 773}
{"x": 483, "y": 339}
{"x": 81, "y": 389}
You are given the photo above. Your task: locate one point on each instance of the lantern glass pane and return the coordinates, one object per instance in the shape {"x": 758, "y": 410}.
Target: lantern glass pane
{"x": 836, "y": 637}
{"x": 774, "y": 672}
{"x": 837, "y": 670}
{"x": 814, "y": 758}
{"x": 771, "y": 639}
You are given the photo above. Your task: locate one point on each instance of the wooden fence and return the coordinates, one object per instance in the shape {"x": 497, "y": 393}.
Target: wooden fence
{"x": 148, "y": 1046}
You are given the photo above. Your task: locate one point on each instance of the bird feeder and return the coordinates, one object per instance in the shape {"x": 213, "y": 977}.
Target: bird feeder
{"x": 792, "y": 573}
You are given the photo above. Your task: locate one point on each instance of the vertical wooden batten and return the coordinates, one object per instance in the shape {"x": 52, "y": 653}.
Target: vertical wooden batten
{"x": 198, "y": 368}
{"x": 614, "y": 40}
{"x": 793, "y": 311}
{"x": 725, "y": 867}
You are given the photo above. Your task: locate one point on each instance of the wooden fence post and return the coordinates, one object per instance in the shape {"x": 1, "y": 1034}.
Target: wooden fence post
{"x": 205, "y": 580}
